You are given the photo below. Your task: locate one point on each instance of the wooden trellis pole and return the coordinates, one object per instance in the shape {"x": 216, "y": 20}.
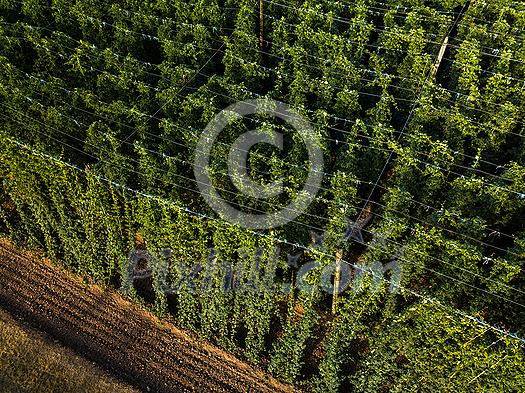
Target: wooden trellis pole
{"x": 337, "y": 278}
{"x": 444, "y": 46}
{"x": 261, "y": 21}
{"x": 440, "y": 56}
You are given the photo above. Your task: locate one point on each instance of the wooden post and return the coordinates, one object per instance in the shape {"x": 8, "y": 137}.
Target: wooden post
{"x": 261, "y": 20}
{"x": 444, "y": 45}
{"x": 337, "y": 278}
{"x": 440, "y": 56}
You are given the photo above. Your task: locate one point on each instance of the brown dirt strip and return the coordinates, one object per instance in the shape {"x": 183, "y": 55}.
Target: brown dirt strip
{"x": 42, "y": 364}
{"x": 125, "y": 340}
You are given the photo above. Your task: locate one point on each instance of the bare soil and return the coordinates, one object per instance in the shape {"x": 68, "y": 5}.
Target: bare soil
{"x": 32, "y": 361}
{"x": 125, "y": 340}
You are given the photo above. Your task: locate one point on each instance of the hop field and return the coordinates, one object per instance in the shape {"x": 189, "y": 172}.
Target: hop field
{"x": 417, "y": 109}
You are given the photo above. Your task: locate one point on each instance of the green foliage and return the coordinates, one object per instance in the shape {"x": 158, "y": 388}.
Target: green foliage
{"x": 123, "y": 91}
{"x": 287, "y": 355}
{"x": 427, "y": 348}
